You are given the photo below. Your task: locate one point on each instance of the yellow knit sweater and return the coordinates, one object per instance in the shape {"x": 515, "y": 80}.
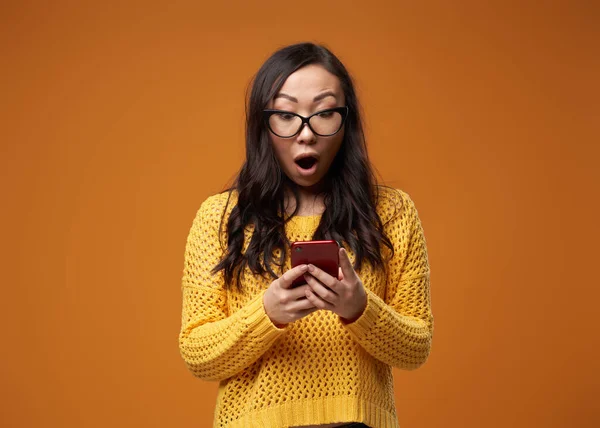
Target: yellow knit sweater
{"x": 317, "y": 370}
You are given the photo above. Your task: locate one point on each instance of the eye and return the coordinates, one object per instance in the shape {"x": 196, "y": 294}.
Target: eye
{"x": 285, "y": 116}
{"x": 326, "y": 114}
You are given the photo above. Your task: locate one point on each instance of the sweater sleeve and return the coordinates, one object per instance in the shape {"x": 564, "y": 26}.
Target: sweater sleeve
{"x": 214, "y": 344}
{"x": 399, "y": 328}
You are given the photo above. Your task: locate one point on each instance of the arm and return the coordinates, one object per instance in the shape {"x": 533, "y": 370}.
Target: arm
{"x": 216, "y": 345}
{"x": 398, "y": 329}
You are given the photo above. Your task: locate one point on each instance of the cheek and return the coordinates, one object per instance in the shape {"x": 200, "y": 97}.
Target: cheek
{"x": 333, "y": 146}
{"x": 281, "y": 149}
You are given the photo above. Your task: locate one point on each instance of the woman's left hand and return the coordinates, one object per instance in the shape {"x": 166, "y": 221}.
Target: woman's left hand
{"x": 344, "y": 295}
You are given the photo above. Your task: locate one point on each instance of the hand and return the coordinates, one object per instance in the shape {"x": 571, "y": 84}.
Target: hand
{"x": 284, "y": 304}
{"x": 345, "y": 295}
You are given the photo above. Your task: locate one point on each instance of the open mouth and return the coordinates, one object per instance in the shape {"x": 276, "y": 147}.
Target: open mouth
{"x": 306, "y": 162}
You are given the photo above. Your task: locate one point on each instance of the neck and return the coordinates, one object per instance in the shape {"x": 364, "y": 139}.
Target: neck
{"x": 310, "y": 202}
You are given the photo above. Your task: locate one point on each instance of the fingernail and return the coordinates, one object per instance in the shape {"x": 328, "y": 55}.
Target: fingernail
{"x": 304, "y": 268}
{"x": 311, "y": 268}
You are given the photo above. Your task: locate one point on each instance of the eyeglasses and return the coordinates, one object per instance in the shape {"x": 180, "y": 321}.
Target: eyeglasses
{"x": 324, "y": 123}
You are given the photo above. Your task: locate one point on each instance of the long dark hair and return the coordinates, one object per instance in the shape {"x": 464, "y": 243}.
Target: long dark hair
{"x": 349, "y": 190}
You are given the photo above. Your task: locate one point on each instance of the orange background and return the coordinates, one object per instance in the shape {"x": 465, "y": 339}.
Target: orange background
{"x": 119, "y": 118}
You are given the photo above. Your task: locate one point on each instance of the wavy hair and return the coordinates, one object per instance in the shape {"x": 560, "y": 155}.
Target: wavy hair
{"x": 349, "y": 188}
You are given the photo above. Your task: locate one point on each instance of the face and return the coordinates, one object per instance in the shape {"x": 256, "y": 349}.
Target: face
{"x": 306, "y": 157}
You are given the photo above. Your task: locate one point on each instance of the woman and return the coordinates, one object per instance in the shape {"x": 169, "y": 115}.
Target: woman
{"x": 320, "y": 354}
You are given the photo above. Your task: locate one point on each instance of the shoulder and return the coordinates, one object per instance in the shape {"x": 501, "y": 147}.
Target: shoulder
{"x": 216, "y": 205}
{"x": 393, "y": 204}
{"x": 213, "y": 210}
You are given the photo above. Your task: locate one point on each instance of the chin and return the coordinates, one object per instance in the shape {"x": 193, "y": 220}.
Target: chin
{"x": 307, "y": 183}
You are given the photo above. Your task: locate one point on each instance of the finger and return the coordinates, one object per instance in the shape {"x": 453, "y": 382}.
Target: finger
{"x": 286, "y": 280}
{"x": 297, "y": 292}
{"x": 320, "y": 290}
{"x": 318, "y": 302}
{"x": 340, "y": 274}
{"x": 301, "y": 304}
{"x": 323, "y": 276}
{"x": 346, "y": 265}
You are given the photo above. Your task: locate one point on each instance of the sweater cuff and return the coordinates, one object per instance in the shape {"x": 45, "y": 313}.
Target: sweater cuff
{"x": 365, "y": 323}
{"x": 258, "y": 322}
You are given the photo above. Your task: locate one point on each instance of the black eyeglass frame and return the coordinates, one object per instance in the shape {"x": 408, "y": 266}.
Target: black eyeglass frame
{"x": 306, "y": 120}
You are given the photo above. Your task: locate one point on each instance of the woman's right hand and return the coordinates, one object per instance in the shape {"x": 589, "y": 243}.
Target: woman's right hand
{"x": 284, "y": 304}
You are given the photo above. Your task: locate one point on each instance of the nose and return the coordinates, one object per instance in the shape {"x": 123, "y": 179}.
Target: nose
{"x": 306, "y": 136}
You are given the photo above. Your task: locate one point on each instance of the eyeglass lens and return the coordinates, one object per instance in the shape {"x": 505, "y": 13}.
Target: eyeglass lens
{"x": 287, "y": 125}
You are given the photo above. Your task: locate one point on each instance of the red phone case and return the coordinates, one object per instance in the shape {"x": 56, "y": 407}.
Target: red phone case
{"x": 322, "y": 254}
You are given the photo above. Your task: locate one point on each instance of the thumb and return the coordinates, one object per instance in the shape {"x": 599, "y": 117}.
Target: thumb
{"x": 346, "y": 265}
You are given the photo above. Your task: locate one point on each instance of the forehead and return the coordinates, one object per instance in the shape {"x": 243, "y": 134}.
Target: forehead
{"x": 309, "y": 81}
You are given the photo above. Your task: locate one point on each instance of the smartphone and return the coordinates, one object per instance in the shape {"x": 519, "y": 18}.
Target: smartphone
{"x": 322, "y": 254}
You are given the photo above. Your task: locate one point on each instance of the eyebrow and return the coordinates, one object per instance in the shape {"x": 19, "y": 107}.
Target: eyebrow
{"x": 315, "y": 99}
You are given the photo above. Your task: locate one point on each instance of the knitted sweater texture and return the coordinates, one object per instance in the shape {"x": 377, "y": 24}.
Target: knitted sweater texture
{"x": 317, "y": 370}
